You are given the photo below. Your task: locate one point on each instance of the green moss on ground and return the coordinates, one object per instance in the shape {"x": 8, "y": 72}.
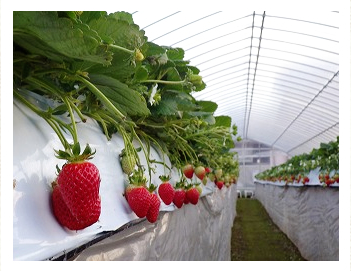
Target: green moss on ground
{"x": 256, "y": 238}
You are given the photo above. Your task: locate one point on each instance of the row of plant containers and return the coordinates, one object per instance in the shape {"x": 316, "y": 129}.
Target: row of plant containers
{"x": 88, "y": 67}
{"x": 320, "y": 167}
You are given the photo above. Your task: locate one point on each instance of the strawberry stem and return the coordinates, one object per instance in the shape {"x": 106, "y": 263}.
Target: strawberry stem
{"x": 101, "y": 96}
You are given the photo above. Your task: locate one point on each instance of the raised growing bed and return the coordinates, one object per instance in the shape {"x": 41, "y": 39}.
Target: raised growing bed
{"x": 308, "y": 215}
{"x": 195, "y": 232}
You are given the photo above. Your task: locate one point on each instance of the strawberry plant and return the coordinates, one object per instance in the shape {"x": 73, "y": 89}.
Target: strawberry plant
{"x": 94, "y": 65}
{"x": 325, "y": 159}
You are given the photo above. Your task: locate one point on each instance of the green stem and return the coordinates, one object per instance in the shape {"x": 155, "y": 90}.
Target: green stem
{"x": 121, "y": 48}
{"x": 74, "y": 126}
{"x": 42, "y": 114}
{"x": 76, "y": 109}
{"x": 162, "y": 82}
{"x": 101, "y": 96}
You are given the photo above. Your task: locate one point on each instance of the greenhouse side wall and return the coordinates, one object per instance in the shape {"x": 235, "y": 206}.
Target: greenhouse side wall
{"x": 194, "y": 232}
{"x": 309, "y": 216}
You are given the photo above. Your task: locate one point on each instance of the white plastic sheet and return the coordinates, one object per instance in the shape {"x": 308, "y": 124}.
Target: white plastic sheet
{"x": 309, "y": 216}
{"x": 36, "y": 233}
{"x": 194, "y": 232}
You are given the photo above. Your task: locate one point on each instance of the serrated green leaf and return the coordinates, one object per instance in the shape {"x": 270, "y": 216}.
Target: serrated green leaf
{"x": 166, "y": 107}
{"x": 175, "y": 53}
{"x": 223, "y": 121}
{"x": 153, "y": 49}
{"x": 44, "y": 33}
{"x": 127, "y": 100}
{"x": 207, "y": 106}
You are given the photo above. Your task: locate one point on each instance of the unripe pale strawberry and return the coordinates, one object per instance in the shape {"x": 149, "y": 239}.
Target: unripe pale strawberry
{"x": 128, "y": 164}
{"x": 200, "y": 172}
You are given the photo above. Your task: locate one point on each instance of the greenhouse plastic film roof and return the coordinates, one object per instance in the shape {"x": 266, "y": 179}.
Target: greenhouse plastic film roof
{"x": 275, "y": 74}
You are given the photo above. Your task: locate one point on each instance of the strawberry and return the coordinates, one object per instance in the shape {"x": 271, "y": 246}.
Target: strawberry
{"x": 128, "y": 162}
{"x": 79, "y": 184}
{"x": 220, "y": 184}
{"x": 336, "y": 178}
{"x": 64, "y": 216}
{"x": 188, "y": 171}
{"x": 200, "y": 172}
{"x": 193, "y": 195}
{"x": 166, "y": 190}
{"x": 154, "y": 209}
{"x": 305, "y": 179}
{"x": 207, "y": 169}
{"x": 186, "y": 200}
{"x": 179, "y": 197}
{"x": 75, "y": 196}
{"x": 198, "y": 187}
{"x": 139, "y": 200}
{"x": 212, "y": 176}
{"x": 137, "y": 195}
{"x": 218, "y": 173}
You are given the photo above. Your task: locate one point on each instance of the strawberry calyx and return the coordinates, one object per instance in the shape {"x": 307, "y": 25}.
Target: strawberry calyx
{"x": 73, "y": 153}
{"x": 152, "y": 188}
{"x": 164, "y": 178}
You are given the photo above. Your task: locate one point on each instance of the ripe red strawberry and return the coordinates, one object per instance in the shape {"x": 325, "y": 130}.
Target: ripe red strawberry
{"x": 64, "y": 216}
{"x": 220, "y": 184}
{"x": 139, "y": 199}
{"x": 79, "y": 184}
{"x": 166, "y": 190}
{"x": 75, "y": 198}
{"x": 193, "y": 195}
{"x": 179, "y": 197}
{"x": 200, "y": 172}
{"x": 305, "y": 180}
{"x": 154, "y": 209}
{"x": 207, "y": 169}
{"x": 336, "y": 178}
{"x": 188, "y": 171}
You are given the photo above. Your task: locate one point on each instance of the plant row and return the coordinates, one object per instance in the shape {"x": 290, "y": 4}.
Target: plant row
{"x": 102, "y": 67}
{"x": 296, "y": 169}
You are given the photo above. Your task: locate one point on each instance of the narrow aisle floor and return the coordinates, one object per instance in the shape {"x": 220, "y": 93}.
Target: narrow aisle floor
{"x": 256, "y": 238}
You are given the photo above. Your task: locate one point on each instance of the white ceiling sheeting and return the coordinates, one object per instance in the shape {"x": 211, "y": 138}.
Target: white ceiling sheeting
{"x": 275, "y": 74}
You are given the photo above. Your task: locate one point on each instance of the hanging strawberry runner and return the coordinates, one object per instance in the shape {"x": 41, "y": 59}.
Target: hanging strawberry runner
{"x": 94, "y": 65}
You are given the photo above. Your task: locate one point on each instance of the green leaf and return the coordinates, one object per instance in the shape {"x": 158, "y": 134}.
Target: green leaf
{"x": 122, "y": 32}
{"x": 223, "y": 121}
{"x": 207, "y": 106}
{"x": 167, "y": 106}
{"x": 141, "y": 74}
{"x": 44, "y": 33}
{"x": 175, "y": 53}
{"x": 127, "y": 100}
{"x": 153, "y": 49}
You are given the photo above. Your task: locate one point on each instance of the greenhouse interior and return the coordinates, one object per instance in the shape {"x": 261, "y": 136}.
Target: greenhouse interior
{"x": 147, "y": 136}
